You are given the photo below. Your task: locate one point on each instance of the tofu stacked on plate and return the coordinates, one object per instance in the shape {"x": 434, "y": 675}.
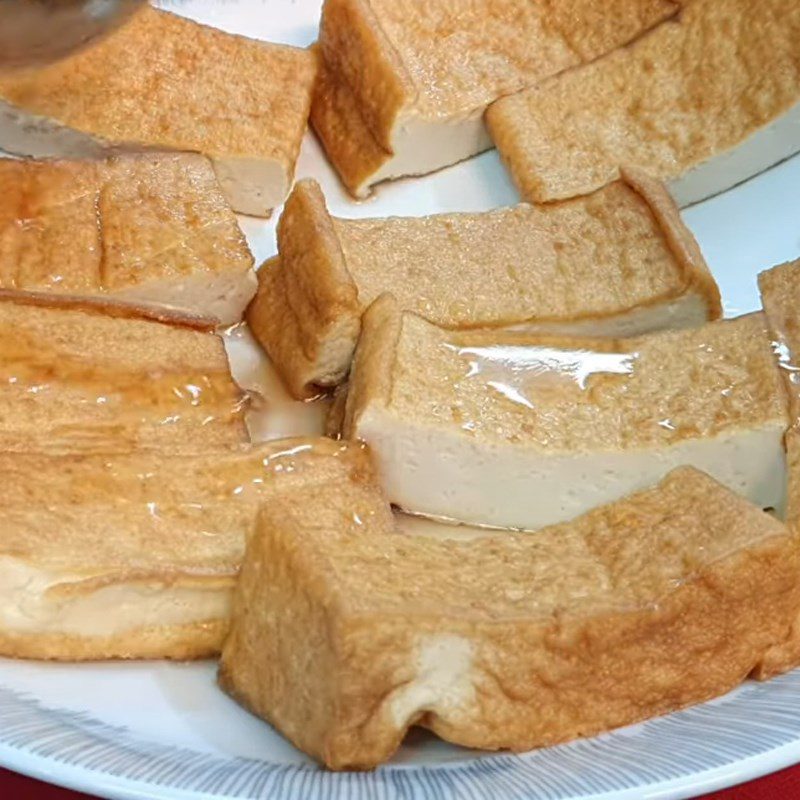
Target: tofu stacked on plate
{"x": 164, "y": 82}
{"x": 130, "y": 481}
{"x": 703, "y": 93}
{"x": 628, "y": 557}
{"x": 618, "y": 262}
{"x": 149, "y": 229}
{"x": 704, "y": 102}
{"x": 556, "y": 376}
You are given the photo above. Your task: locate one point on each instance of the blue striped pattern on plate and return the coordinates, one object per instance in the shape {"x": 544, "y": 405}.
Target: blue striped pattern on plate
{"x": 687, "y": 749}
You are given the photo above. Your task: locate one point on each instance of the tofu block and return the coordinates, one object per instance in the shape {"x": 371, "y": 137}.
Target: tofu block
{"x": 403, "y": 85}
{"x": 345, "y": 633}
{"x": 136, "y": 556}
{"x": 98, "y": 377}
{"x": 617, "y": 263}
{"x": 519, "y": 431}
{"x": 150, "y": 229}
{"x": 780, "y": 294}
{"x": 164, "y": 82}
{"x": 704, "y": 101}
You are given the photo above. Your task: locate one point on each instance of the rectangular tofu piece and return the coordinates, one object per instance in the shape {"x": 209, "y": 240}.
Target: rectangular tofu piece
{"x": 135, "y": 556}
{"x": 403, "y": 85}
{"x": 617, "y": 263}
{"x": 655, "y": 602}
{"x": 521, "y": 431}
{"x": 164, "y": 82}
{"x": 704, "y": 101}
{"x": 780, "y": 295}
{"x": 151, "y": 229}
{"x": 92, "y": 376}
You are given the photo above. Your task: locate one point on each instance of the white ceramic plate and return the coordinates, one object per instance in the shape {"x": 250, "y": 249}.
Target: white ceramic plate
{"x": 157, "y": 730}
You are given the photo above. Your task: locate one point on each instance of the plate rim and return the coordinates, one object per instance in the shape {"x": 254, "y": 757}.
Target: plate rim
{"x": 410, "y": 780}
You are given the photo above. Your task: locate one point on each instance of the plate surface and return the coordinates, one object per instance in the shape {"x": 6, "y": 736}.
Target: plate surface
{"x": 157, "y": 730}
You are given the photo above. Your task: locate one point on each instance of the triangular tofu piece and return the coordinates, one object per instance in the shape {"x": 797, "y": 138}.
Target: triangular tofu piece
{"x": 167, "y": 83}
{"x": 620, "y": 262}
{"x": 705, "y": 102}
{"x": 135, "y": 556}
{"x": 666, "y": 598}
{"x": 149, "y": 229}
{"x": 83, "y": 376}
{"x": 520, "y": 431}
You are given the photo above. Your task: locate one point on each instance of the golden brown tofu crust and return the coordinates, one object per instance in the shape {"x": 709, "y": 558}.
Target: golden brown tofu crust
{"x": 624, "y": 248}
{"x": 241, "y": 474}
{"x": 780, "y": 295}
{"x": 596, "y": 257}
{"x": 146, "y": 525}
{"x": 106, "y": 226}
{"x": 688, "y": 90}
{"x": 658, "y": 601}
{"x": 306, "y": 312}
{"x": 387, "y": 61}
{"x": 92, "y": 376}
{"x": 703, "y": 381}
{"x": 107, "y": 307}
{"x": 175, "y": 642}
{"x": 349, "y": 144}
{"x": 200, "y": 90}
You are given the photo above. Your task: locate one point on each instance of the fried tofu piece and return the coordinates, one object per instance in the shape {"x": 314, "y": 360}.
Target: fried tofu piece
{"x": 150, "y": 229}
{"x": 345, "y": 633}
{"x": 93, "y": 376}
{"x": 403, "y": 85}
{"x": 523, "y": 431}
{"x": 136, "y": 555}
{"x": 164, "y": 82}
{"x": 780, "y": 294}
{"x": 618, "y": 263}
{"x": 704, "y": 101}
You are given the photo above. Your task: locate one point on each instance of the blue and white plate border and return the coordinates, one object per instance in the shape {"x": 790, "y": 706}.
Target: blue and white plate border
{"x": 752, "y": 732}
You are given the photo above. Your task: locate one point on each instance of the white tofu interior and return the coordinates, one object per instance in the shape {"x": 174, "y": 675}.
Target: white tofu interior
{"x": 687, "y": 311}
{"x": 766, "y": 147}
{"x": 420, "y": 146}
{"x": 36, "y": 600}
{"x": 223, "y": 296}
{"x": 253, "y": 186}
{"x": 446, "y": 474}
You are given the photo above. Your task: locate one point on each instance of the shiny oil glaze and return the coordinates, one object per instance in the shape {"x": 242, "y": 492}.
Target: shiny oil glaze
{"x": 54, "y": 394}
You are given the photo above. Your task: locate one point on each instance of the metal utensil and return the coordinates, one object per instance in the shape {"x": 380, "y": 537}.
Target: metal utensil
{"x": 36, "y": 32}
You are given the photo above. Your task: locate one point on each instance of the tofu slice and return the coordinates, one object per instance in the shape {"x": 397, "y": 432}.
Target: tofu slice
{"x": 165, "y": 82}
{"x": 780, "y": 294}
{"x": 520, "y": 432}
{"x": 619, "y": 262}
{"x": 151, "y": 229}
{"x": 705, "y": 102}
{"x": 135, "y": 556}
{"x": 658, "y": 601}
{"x": 403, "y": 85}
{"x": 90, "y": 376}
